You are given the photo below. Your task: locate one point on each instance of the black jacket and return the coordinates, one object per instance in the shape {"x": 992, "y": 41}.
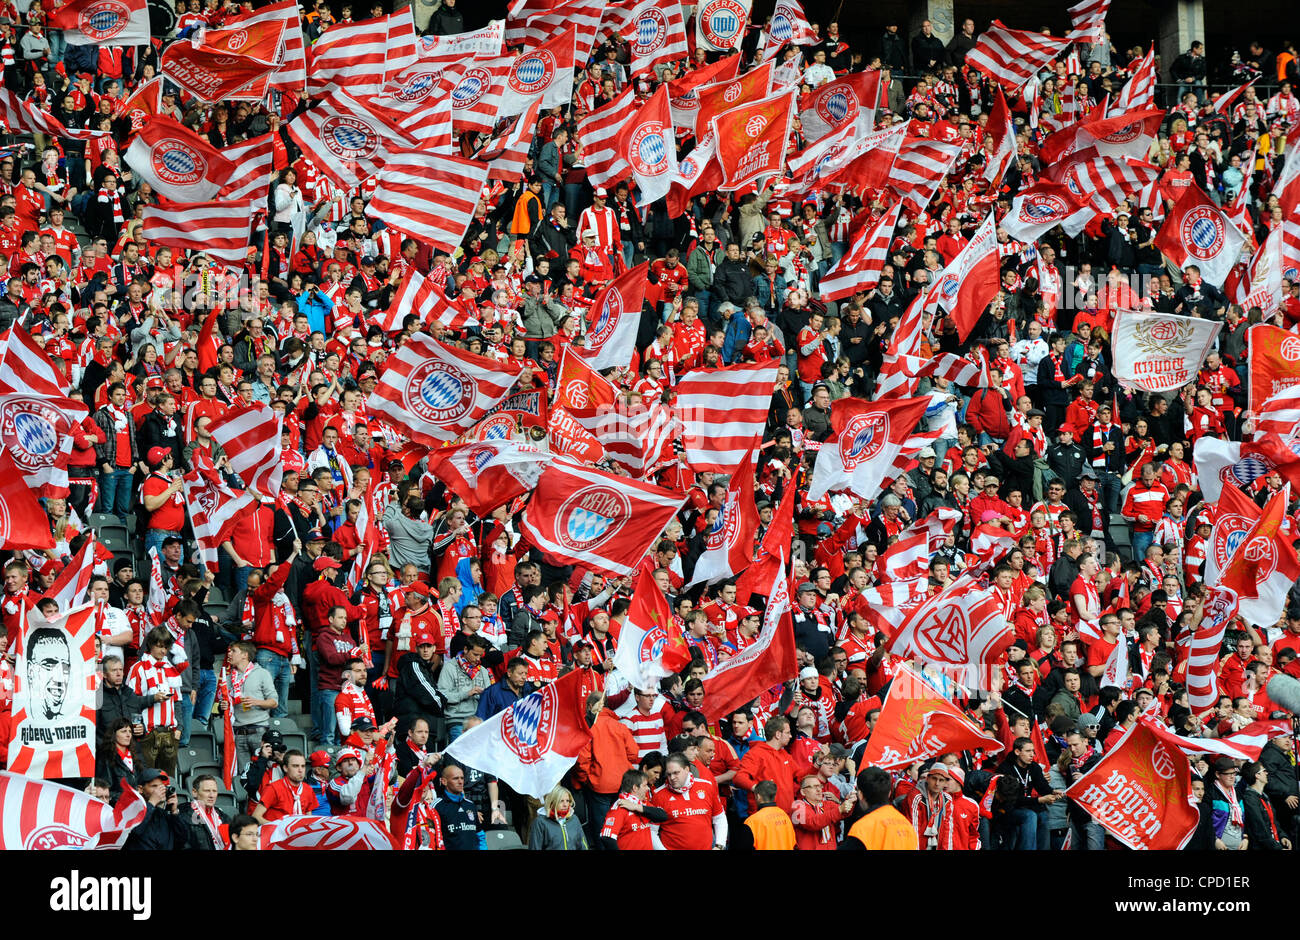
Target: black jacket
{"x": 1258, "y": 828}
{"x": 159, "y": 431}
{"x": 1034, "y": 783}
{"x": 446, "y": 22}
{"x": 161, "y": 831}
{"x": 200, "y": 839}
{"x": 1067, "y": 460}
{"x": 110, "y": 768}
{"x": 416, "y": 692}
{"x": 116, "y": 703}
{"x": 1281, "y": 776}
{"x": 926, "y": 51}
{"x": 731, "y": 281}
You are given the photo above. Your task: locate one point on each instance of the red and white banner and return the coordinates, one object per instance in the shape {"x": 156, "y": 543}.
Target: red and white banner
{"x": 69, "y": 588}
{"x": 569, "y": 438}
{"x": 656, "y": 35}
{"x": 869, "y": 435}
{"x": 638, "y": 437}
{"x": 731, "y": 92}
{"x": 720, "y": 24}
{"x": 1141, "y": 791}
{"x": 1235, "y": 514}
{"x": 1280, "y": 414}
{"x": 226, "y": 64}
{"x": 20, "y": 114}
{"x": 769, "y": 661}
{"x": 968, "y": 285}
{"x": 613, "y": 320}
{"x": 1012, "y": 56}
{"x": 291, "y": 73}
{"x": 650, "y": 644}
{"x": 429, "y": 196}
{"x": 250, "y": 436}
{"x": 729, "y": 544}
{"x": 847, "y": 161}
{"x": 485, "y": 43}
{"x": 1206, "y": 644}
{"x": 214, "y": 507}
{"x": 53, "y": 730}
{"x": 578, "y": 385}
{"x": 1221, "y": 464}
{"x": 790, "y": 25}
{"x": 36, "y": 431}
{"x": 1265, "y": 565}
{"x": 683, "y": 92}
{"x": 961, "y": 625}
{"x": 177, "y": 163}
{"x": 647, "y": 145}
{"x": 507, "y": 153}
{"x": 25, "y": 368}
{"x": 1106, "y": 181}
{"x": 724, "y": 412}
{"x": 347, "y": 141}
{"x": 1139, "y": 91}
{"x": 531, "y": 29}
{"x": 859, "y": 269}
{"x": 420, "y": 105}
{"x": 42, "y": 815}
{"x": 476, "y": 96}
{"x": 1274, "y": 361}
{"x": 919, "y": 170}
{"x": 23, "y": 523}
{"x": 419, "y": 296}
{"x": 532, "y": 744}
{"x": 489, "y": 474}
{"x": 1157, "y": 352}
{"x": 219, "y": 229}
{"x": 752, "y": 139}
{"x": 1088, "y": 19}
{"x": 845, "y": 102}
{"x": 1245, "y": 744}
{"x": 1043, "y": 206}
{"x": 1121, "y": 136}
{"x": 601, "y": 134}
{"x": 604, "y": 523}
{"x": 909, "y": 556}
{"x": 324, "y": 833}
{"x": 254, "y": 162}
{"x": 1196, "y": 233}
{"x": 102, "y": 22}
{"x": 436, "y": 393}
{"x": 543, "y": 72}
{"x": 362, "y": 56}
{"x": 917, "y": 723}
{"x": 1003, "y": 136}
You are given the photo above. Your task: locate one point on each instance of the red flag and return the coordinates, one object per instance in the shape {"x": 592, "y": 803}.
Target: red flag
{"x": 729, "y": 544}
{"x": 960, "y": 625}
{"x": 650, "y": 645}
{"x": 578, "y": 385}
{"x": 228, "y": 64}
{"x": 22, "y": 520}
{"x": 917, "y": 723}
{"x": 597, "y": 520}
{"x": 421, "y": 296}
{"x": 73, "y": 581}
{"x": 179, "y": 164}
{"x": 683, "y": 92}
{"x": 844, "y": 102}
{"x": 1011, "y": 57}
{"x": 1265, "y": 566}
{"x": 752, "y": 139}
{"x": 698, "y": 172}
{"x": 859, "y": 269}
{"x": 614, "y": 319}
{"x": 646, "y": 144}
{"x": 102, "y": 22}
{"x": 723, "y": 94}
{"x": 1141, "y": 792}
{"x": 488, "y": 474}
{"x": 1274, "y": 362}
{"x": 47, "y": 815}
{"x": 774, "y": 548}
{"x": 978, "y": 271}
{"x": 570, "y": 438}
{"x": 770, "y": 661}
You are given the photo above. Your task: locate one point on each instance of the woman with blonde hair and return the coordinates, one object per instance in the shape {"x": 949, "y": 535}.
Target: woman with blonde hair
{"x": 557, "y": 825}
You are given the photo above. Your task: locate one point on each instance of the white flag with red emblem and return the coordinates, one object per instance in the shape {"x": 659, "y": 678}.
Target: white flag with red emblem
{"x": 435, "y": 393}
{"x": 177, "y": 163}
{"x": 102, "y": 22}
{"x": 729, "y": 543}
{"x": 489, "y": 474}
{"x": 869, "y": 435}
{"x": 579, "y": 516}
{"x": 1157, "y": 352}
{"x": 969, "y": 284}
{"x": 36, "y": 431}
{"x": 845, "y": 102}
{"x": 324, "y": 833}
{"x": 214, "y": 507}
{"x": 752, "y": 139}
{"x": 961, "y": 626}
{"x": 1195, "y": 232}
{"x": 544, "y": 72}
{"x": 52, "y": 734}
{"x": 532, "y": 744}
{"x": 250, "y": 436}
{"x": 43, "y": 815}
{"x": 647, "y": 145}
{"x": 614, "y": 319}
{"x": 655, "y": 32}
{"x": 789, "y": 25}
{"x": 720, "y": 24}
{"x": 1040, "y": 208}
{"x": 650, "y": 645}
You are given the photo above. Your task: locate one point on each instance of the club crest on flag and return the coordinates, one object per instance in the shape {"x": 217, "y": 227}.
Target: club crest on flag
{"x": 863, "y": 438}
{"x": 1247, "y": 470}
{"x": 724, "y": 529}
{"x": 732, "y": 92}
{"x": 1203, "y": 233}
{"x": 236, "y": 40}
{"x": 611, "y": 311}
{"x": 651, "y": 32}
{"x": 178, "y": 163}
{"x": 1125, "y": 134}
{"x": 721, "y": 21}
{"x": 1289, "y": 349}
{"x": 652, "y": 644}
{"x": 479, "y": 458}
{"x": 1262, "y": 554}
{"x": 943, "y": 636}
{"x": 1040, "y": 207}
{"x": 528, "y": 726}
{"x": 533, "y": 72}
{"x": 649, "y": 151}
{"x": 104, "y": 20}
{"x": 472, "y": 86}
{"x": 348, "y": 138}
{"x": 442, "y": 392}
{"x": 780, "y": 28}
{"x": 1230, "y": 529}
{"x": 496, "y": 428}
{"x": 29, "y": 431}
{"x": 830, "y": 157}
{"x": 836, "y": 106}
{"x": 591, "y": 517}
{"x": 1162, "y": 763}
{"x": 418, "y": 87}
{"x": 756, "y": 125}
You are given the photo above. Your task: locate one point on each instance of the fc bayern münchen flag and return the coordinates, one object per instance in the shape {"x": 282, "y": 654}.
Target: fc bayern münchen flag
{"x": 532, "y": 744}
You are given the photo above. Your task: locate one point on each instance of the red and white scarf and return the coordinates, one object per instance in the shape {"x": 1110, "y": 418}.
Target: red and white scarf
{"x": 210, "y": 821}
{"x": 1100, "y": 437}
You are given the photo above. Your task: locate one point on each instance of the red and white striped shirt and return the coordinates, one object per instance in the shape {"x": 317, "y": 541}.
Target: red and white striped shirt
{"x": 647, "y": 731}
{"x": 149, "y": 675}
{"x": 354, "y": 703}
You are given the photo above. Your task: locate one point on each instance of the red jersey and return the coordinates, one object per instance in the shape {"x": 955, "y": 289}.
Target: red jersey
{"x": 282, "y": 798}
{"x": 632, "y": 830}
{"x": 690, "y": 814}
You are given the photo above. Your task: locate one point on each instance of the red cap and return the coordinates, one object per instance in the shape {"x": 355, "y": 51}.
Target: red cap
{"x": 425, "y": 638}
{"x": 157, "y": 455}
{"x": 154, "y": 381}
{"x": 319, "y": 759}
{"x": 325, "y": 561}
{"x": 418, "y": 587}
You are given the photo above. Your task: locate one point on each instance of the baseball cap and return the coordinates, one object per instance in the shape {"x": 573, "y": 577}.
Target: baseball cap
{"x": 1088, "y": 474}
{"x": 418, "y": 587}
{"x": 807, "y": 672}
{"x": 927, "y": 453}
{"x": 157, "y": 455}
{"x": 363, "y": 724}
{"x": 806, "y": 586}
{"x": 153, "y": 773}
{"x": 938, "y": 770}
{"x": 316, "y": 535}
{"x": 274, "y": 738}
{"x": 424, "y": 638}
{"x": 325, "y": 561}
{"x": 601, "y": 192}
{"x": 319, "y": 759}
{"x": 347, "y": 752}
{"x": 154, "y": 381}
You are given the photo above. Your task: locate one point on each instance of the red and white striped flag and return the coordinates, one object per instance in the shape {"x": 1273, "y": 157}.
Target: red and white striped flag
{"x": 1245, "y": 744}
{"x": 250, "y": 436}
{"x": 729, "y": 544}
{"x": 324, "y": 833}
{"x": 507, "y": 153}
{"x": 1042, "y": 207}
{"x": 866, "y": 164}
{"x": 23, "y": 115}
{"x": 179, "y": 164}
{"x": 961, "y": 626}
{"x": 362, "y": 56}
{"x": 291, "y": 73}
{"x": 1223, "y": 103}
{"x": 614, "y": 319}
{"x": 489, "y": 474}
{"x": 637, "y": 438}
{"x": 599, "y": 133}
{"x": 347, "y": 140}
{"x": 724, "y": 412}
{"x": 788, "y": 25}
{"x": 1012, "y": 56}
{"x": 543, "y": 72}
{"x": 214, "y": 507}
{"x": 910, "y": 556}
{"x": 26, "y": 368}
{"x": 859, "y": 269}
{"x": 537, "y": 29}
{"x": 868, "y": 437}
{"x": 844, "y": 102}
{"x": 43, "y": 815}
{"x": 1108, "y": 181}
{"x": 69, "y": 588}
{"x": 648, "y": 146}
{"x": 1088, "y": 19}
{"x": 219, "y": 229}
{"x": 919, "y": 169}
{"x": 1002, "y": 133}
{"x": 253, "y": 162}
{"x": 435, "y": 393}
{"x": 429, "y": 196}
{"x": 476, "y": 95}
{"x": 1139, "y": 92}
{"x": 651, "y": 646}
{"x": 605, "y": 523}
{"x": 52, "y": 734}
{"x": 1203, "y": 654}
{"x": 655, "y": 32}
{"x": 36, "y": 430}
{"x": 101, "y": 22}
{"x": 421, "y": 296}
{"x": 1280, "y": 414}
{"x": 885, "y": 605}
{"x": 419, "y": 101}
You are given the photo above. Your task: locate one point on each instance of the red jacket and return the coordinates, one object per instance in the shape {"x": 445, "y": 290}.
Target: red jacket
{"x": 815, "y": 827}
{"x": 317, "y": 599}
{"x": 987, "y": 412}
{"x": 269, "y": 630}
{"x": 764, "y": 762}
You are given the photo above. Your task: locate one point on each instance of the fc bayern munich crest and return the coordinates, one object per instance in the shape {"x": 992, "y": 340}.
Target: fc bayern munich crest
{"x": 652, "y": 644}
{"x": 780, "y": 28}
{"x": 651, "y": 33}
{"x": 1246, "y": 470}
{"x": 29, "y": 429}
{"x": 498, "y": 427}
{"x": 721, "y": 22}
{"x": 439, "y": 393}
{"x": 103, "y": 20}
{"x": 1229, "y": 532}
{"x": 177, "y": 163}
{"x": 528, "y": 727}
{"x": 837, "y": 107}
{"x": 472, "y": 86}
{"x": 349, "y": 138}
{"x": 648, "y": 152}
{"x": 591, "y": 517}
{"x": 533, "y": 72}
{"x": 606, "y": 322}
{"x": 418, "y": 87}
{"x": 1124, "y": 134}
{"x": 1203, "y": 233}
{"x": 724, "y": 530}
{"x": 54, "y": 836}
{"x": 479, "y": 457}
{"x": 1040, "y": 207}
{"x": 863, "y": 438}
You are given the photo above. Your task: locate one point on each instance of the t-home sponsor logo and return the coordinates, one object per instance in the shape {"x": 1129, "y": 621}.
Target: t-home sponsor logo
{"x": 96, "y": 893}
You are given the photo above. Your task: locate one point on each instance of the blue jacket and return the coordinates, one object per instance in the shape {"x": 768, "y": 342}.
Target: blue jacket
{"x": 498, "y": 697}
{"x": 460, "y": 827}
{"x": 469, "y": 591}
{"x": 737, "y": 337}
{"x": 317, "y": 308}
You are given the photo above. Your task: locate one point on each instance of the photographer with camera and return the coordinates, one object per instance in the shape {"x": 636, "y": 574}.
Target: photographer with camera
{"x": 163, "y": 829}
